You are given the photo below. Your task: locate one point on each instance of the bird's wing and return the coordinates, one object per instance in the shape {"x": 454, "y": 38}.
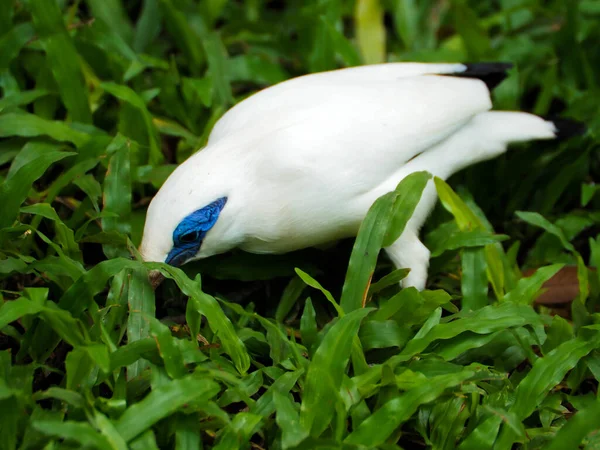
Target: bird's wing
{"x": 352, "y": 134}
{"x": 288, "y": 94}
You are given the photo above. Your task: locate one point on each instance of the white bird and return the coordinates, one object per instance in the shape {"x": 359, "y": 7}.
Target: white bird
{"x": 300, "y": 163}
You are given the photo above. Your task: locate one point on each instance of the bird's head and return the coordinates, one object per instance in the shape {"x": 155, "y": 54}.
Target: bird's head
{"x": 185, "y": 221}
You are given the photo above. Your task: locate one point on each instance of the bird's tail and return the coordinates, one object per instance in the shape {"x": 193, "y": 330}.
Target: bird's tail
{"x": 507, "y": 127}
{"x": 487, "y": 136}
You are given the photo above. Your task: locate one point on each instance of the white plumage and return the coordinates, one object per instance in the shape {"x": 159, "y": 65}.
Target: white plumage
{"x": 301, "y": 162}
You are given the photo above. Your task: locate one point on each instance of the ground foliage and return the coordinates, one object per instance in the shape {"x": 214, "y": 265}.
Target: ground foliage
{"x": 102, "y": 98}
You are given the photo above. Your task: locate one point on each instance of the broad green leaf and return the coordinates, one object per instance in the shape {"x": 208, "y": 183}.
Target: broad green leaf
{"x": 595, "y": 254}
{"x": 447, "y": 422}
{"x": 91, "y": 187}
{"x": 290, "y": 296}
{"x": 382, "y": 334}
{"x": 546, "y": 373}
{"x": 147, "y": 441}
{"x": 178, "y": 25}
{"x": 71, "y": 397}
{"x": 325, "y": 371}
{"x": 126, "y": 94}
{"x": 559, "y": 331}
{"x": 162, "y": 402}
{"x": 411, "y": 307}
{"x": 22, "y": 98}
{"x": 140, "y": 300}
{"x": 167, "y": 348}
{"x": 117, "y": 192}
{"x": 14, "y": 310}
{"x": 473, "y": 34}
{"x": 265, "y": 405}
{"x": 581, "y": 424}
{"x": 406, "y": 21}
{"x": 62, "y": 58}
{"x": 474, "y": 283}
{"x": 28, "y": 125}
{"x": 280, "y": 347}
{"x": 391, "y": 279}
{"x": 13, "y": 41}
{"x": 9, "y": 265}
{"x": 384, "y": 223}
{"x": 216, "y": 55}
{"x": 113, "y": 13}
{"x": 341, "y": 45}
{"x": 6, "y": 16}
{"x": 187, "y": 432}
{"x": 289, "y": 421}
{"x": 378, "y": 427}
{"x": 80, "y": 432}
{"x": 64, "y": 235}
{"x": 14, "y": 191}
{"x": 461, "y": 239}
{"x": 310, "y": 281}
{"x": 467, "y": 220}
{"x": 79, "y": 367}
{"x": 308, "y": 325}
{"x": 370, "y": 30}
{"x": 128, "y": 354}
{"x": 239, "y": 431}
{"x": 486, "y": 320}
{"x": 248, "y": 386}
{"x": 587, "y": 192}
{"x": 108, "y": 430}
{"x": 484, "y": 435}
{"x": 538, "y": 220}
{"x": 527, "y": 288}
{"x": 72, "y": 330}
{"x": 80, "y": 295}
{"x": 409, "y": 192}
{"x": 148, "y": 25}
{"x": 218, "y": 322}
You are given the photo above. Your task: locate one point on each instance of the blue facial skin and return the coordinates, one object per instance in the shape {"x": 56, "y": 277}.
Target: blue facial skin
{"x": 188, "y": 236}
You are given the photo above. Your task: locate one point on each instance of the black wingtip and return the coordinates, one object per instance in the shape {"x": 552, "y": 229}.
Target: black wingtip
{"x": 491, "y": 73}
{"x": 567, "y": 128}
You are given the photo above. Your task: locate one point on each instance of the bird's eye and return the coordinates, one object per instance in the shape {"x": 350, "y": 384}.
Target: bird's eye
{"x": 189, "y": 237}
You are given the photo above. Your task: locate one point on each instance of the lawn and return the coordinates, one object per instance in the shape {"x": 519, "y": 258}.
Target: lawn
{"x": 320, "y": 348}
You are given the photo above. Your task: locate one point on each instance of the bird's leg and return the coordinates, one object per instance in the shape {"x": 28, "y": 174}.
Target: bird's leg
{"x": 409, "y": 252}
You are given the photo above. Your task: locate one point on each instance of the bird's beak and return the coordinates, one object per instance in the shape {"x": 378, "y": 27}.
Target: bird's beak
{"x": 155, "y": 278}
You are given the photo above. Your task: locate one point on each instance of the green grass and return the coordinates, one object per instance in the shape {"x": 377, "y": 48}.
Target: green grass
{"x": 318, "y": 349}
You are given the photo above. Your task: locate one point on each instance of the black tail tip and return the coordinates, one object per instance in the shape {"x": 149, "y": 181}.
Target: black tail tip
{"x": 568, "y": 128}
{"x": 491, "y": 73}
